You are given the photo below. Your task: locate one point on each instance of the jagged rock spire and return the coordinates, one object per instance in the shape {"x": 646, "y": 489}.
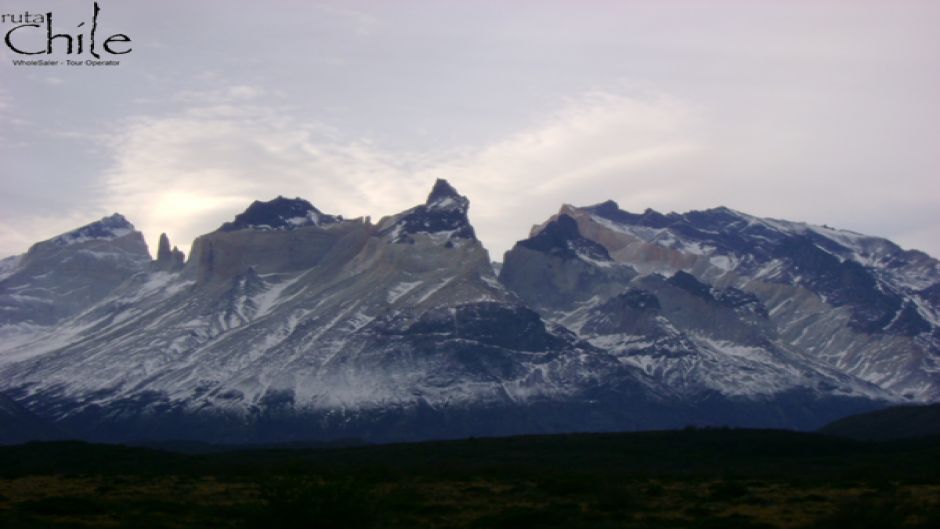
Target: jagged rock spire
{"x": 443, "y": 215}
{"x": 163, "y": 248}
{"x": 441, "y": 191}
{"x": 168, "y": 259}
{"x": 444, "y": 197}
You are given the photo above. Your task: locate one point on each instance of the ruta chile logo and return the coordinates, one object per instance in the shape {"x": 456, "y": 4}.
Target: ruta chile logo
{"x": 75, "y": 43}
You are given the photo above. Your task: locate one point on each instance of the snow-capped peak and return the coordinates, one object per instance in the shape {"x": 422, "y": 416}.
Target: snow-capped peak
{"x": 107, "y": 228}
{"x": 725, "y": 228}
{"x": 443, "y": 217}
{"x": 443, "y": 196}
{"x": 279, "y": 214}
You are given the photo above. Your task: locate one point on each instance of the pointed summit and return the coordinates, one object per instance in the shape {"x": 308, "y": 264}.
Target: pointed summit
{"x": 444, "y": 197}
{"x": 443, "y": 216}
{"x": 279, "y": 214}
{"x": 442, "y": 192}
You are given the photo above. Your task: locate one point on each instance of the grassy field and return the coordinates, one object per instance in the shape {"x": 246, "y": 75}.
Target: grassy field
{"x": 689, "y": 479}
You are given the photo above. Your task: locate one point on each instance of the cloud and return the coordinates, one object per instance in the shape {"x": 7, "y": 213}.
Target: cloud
{"x": 187, "y": 173}
{"x": 363, "y": 24}
{"x": 23, "y": 233}
{"x": 588, "y": 151}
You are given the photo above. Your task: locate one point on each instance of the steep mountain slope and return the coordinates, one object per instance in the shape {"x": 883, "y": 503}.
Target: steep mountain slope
{"x": 720, "y": 300}
{"x": 63, "y": 276}
{"x": 316, "y": 328}
{"x": 68, "y": 273}
{"x": 290, "y": 323}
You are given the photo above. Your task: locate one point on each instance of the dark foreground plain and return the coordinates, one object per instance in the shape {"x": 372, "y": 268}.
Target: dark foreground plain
{"x": 712, "y": 478}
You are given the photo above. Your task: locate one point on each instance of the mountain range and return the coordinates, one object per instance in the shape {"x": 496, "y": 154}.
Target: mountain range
{"x": 290, "y": 324}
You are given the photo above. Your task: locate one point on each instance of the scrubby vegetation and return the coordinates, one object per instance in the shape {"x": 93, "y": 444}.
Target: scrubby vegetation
{"x": 691, "y": 479}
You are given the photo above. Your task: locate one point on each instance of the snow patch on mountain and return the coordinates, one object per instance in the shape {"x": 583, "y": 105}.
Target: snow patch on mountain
{"x": 108, "y": 228}
{"x": 401, "y": 289}
{"x": 441, "y": 219}
{"x": 288, "y": 311}
{"x": 269, "y": 298}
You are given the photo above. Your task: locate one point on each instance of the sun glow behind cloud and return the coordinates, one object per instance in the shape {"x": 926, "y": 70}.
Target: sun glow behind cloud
{"x": 822, "y": 112}
{"x": 186, "y": 173}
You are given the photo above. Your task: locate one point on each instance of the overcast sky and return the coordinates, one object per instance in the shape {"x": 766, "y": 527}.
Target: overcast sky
{"x": 825, "y": 112}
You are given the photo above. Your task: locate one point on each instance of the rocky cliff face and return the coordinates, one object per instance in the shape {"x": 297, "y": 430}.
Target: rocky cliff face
{"x": 290, "y": 323}
{"x": 314, "y": 329}
{"x": 786, "y": 304}
{"x": 168, "y": 259}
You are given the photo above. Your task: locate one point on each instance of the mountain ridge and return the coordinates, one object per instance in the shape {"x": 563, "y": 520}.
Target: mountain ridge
{"x": 276, "y": 328}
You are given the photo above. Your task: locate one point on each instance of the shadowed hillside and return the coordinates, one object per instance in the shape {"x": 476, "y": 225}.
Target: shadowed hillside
{"x": 900, "y": 422}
